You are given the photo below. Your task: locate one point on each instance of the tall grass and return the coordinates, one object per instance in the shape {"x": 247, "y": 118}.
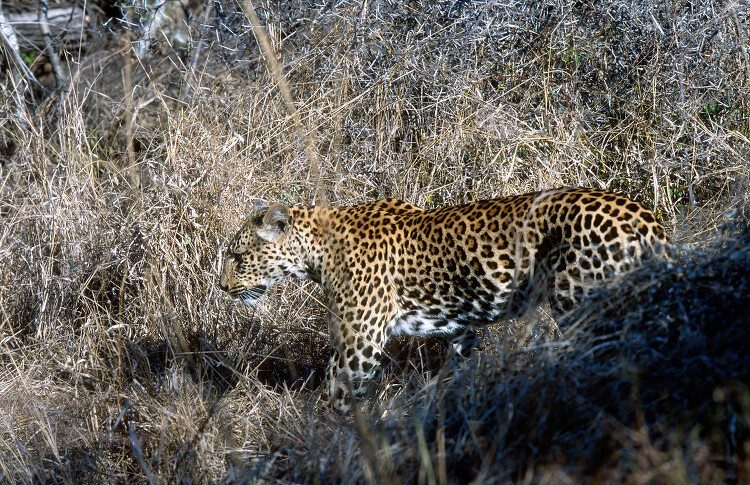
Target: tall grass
{"x": 122, "y": 361}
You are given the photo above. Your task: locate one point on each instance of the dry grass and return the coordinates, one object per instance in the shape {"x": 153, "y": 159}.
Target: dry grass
{"x": 121, "y": 361}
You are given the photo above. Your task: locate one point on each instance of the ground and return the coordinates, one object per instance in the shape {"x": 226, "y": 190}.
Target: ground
{"x": 122, "y": 360}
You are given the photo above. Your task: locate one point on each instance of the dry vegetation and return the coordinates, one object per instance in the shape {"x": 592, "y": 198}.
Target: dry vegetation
{"x": 121, "y": 361}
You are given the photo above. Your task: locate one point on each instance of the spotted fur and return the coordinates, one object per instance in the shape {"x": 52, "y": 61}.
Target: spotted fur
{"x": 389, "y": 267}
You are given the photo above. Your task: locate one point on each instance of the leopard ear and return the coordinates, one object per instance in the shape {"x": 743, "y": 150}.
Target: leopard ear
{"x": 256, "y": 212}
{"x": 275, "y": 222}
{"x": 259, "y": 206}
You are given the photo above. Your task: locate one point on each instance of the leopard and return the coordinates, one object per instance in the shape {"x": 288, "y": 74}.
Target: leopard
{"x": 389, "y": 267}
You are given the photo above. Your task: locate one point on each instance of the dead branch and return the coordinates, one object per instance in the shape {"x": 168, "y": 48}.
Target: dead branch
{"x": 19, "y": 73}
{"x": 65, "y": 22}
{"x": 61, "y": 76}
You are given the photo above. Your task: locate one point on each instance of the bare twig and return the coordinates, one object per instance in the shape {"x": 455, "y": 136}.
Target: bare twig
{"x": 19, "y": 73}
{"x": 61, "y": 75}
{"x": 196, "y": 48}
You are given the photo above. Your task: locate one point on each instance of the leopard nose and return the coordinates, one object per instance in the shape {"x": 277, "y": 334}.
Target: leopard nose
{"x": 223, "y": 280}
{"x": 229, "y": 259}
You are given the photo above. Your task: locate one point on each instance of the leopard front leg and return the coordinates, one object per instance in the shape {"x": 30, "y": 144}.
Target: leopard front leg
{"x": 361, "y": 309}
{"x": 355, "y": 365}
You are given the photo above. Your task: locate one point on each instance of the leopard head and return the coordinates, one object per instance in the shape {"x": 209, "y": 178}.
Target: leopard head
{"x": 258, "y": 255}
